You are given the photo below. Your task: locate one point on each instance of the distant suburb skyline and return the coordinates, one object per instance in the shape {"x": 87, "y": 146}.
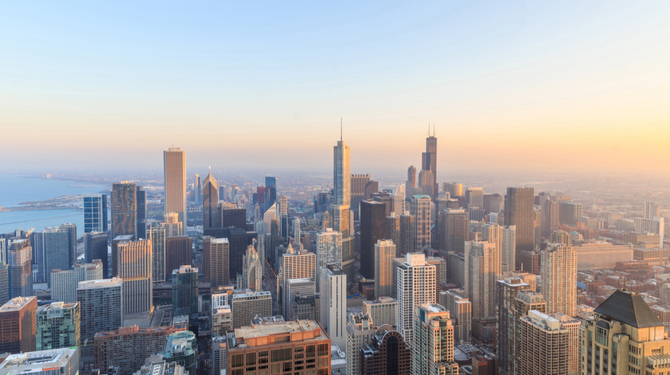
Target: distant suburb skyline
{"x": 520, "y": 87}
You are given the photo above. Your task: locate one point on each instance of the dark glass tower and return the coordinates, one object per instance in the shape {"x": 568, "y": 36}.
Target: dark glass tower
{"x": 124, "y": 209}
{"x": 141, "y": 212}
{"x": 519, "y": 211}
{"x": 373, "y": 228}
{"x": 270, "y": 191}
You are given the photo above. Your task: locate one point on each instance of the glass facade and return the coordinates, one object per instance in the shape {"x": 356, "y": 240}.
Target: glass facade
{"x": 95, "y": 213}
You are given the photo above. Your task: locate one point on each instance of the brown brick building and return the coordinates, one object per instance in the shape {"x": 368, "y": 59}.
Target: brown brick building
{"x": 388, "y": 353}
{"x": 18, "y": 325}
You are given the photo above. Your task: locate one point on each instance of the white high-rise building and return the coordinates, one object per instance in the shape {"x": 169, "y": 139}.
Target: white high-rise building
{"x": 481, "y": 263}
{"x": 559, "y": 279}
{"x": 174, "y": 167}
{"x": 360, "y": 330}
{"x": 64, "y": 283}
{"x": 415, "y": 286}
{"x": 329, "y": 248}
{"x": 398, "y": 200}
{"x": 383, "y": 310}
{"x": 333, "y": 310}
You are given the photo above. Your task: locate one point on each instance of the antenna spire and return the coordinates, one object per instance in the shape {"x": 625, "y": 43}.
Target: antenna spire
{"x": 433, "y": 129}
{"x": 341, "y": 129}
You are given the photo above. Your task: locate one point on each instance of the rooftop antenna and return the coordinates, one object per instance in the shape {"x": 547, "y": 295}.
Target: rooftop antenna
{"x": 433, "y": 129}
{"x": 340, "y": 129}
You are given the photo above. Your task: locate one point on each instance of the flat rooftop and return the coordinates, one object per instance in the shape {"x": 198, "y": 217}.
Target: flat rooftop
{"x": 16, "y": 304}
{"x": 97, "y": 284}
{"x": 33, "y": 362}
{"x": 247, "y": 336}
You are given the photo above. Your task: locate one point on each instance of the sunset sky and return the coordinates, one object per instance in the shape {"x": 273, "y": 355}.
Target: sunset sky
{"x": 532, "y": 86}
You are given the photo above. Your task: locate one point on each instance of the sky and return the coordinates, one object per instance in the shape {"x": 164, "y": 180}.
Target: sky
{"x": 570, "y": 86}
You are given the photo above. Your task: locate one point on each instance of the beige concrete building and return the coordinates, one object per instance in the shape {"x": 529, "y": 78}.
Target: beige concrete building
{"x": 135, "y": 264}
{"x": 460, "y": 308}
{"x": 383, "y": 310}
{"x": 385, "y": 251}
{"x": 219, "y": 261}
{"x": 64, "y": 282}
{"x": 596, "y": 255}
{"x": 174, "y": 168}
{"x": 433, "y": 346}
{"x": 415, "y": 287}
{"x": 549, "y": 344}
{"x": 481, "y": 264}
{"x": 248, "y": 305}
{"x": 360, "y": 330}
{"x": 559, "y": 279}
{"x": 420, "y": 209}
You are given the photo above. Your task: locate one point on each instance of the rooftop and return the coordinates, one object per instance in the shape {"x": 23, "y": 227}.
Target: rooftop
{"x": 16, "y": 304}
{"x": 97, "y": 284}
{"x": 300, "y": 330}
{"x": 628, "y": 308}
{"x": 33, "y": 362}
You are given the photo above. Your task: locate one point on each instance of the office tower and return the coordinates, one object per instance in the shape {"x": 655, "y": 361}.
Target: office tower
{"x": 178, "y": 251}
{"x": 58, "y": 326}
{"x": 385, "y": 251}
{"x": 387, "y": 354}
{"x": 559, "y": 279}
{"x": 474, "y": 197}
{"x": 270, "y": 191}
{"x": 421, "y": 211}
{"x": 407, "y": 235}
{"x": 415, "y": 286}
{"x": 373, "y": 229}
{"x": 651, "y": 210}
{"x": 3, "y": 250}
{"x": 135, "y": 270}
{"x": 219, "y": 354}
{"x": 296, "y": 231}
{"x": 480, "y": 277}
{"x": 252, "y": 271}
{"x": 454, "y": 189}
{"x": 440, "y": 273}
{"x": 433, "y": 344}
{"x": 508, "y": 253}
{"x": 174, "y": 167}
{"x": 185, "y": 291}
{"x": 569, "y": 212}
{"x": 18, "y": 326}
{"x": 297, "y": 265}
{"x": 64, "y": 361}
{"x": 493, "y": 233}
{"x": 358, "y": 182}
{"x": 306, "y": 307}
{"x": 210, "y": 202}
{"x": 294, "y": 288}
{"x": 71, "y": 230}
{"x": 279, "y": 346}
{"x": 519, "y": 204}
{"x": 128, "y": 347}
{"x": 64, "y": 283}
{"x": 53, "y": 252}
{"x": 181, "y": 347}
{"x": 141, "y": 213}
{"x": 507, "y": 319}
{"x": 101, "y": 306}
{"x": 453, "y": 230}
{"x": 20, "y": 270}
{"x": 383, "y": 310}
{"x": 173, "y": 227}
{"x": 219, "y": 263}
{"x": 95, "y": 247}
{"x": 333, "y": 289}
{"x": 158, "y": 238}
{"x": 198, "y": 189}
{"x": 222, "y": 320}
{"x": 233, "y": 217}
{"x": 410, "y": 184}
{"x": 4, "y": 283}
{"x": 115, "y": 251}
{"x": 398, "y": 200}
{"x": 493, "y": 203}
{"x": 549, "y": 344}
{"x": 550, "y": 221}
{"x": 460, "y": 309}
{"x": 249, "y": 304}
{"x": 124, "y": 209}
{"x": 624, "y": 328}
{"x": 340, "y": 206}
{"x": 95, "y": 213}
{"x": 360, "y": 330}
{"x": 429, "y": 166}
{"x": 393, "y": 228}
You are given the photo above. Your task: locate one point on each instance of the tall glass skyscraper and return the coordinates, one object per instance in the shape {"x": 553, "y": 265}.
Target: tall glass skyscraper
{"x": 95, "y": 213}
{"x": 210, "y": 201}
{"x": 340, "y": 206}
{"x": 270, "y": 191}
{"x": 174, "y": 164}
{"x": 141, "y": 212}
{"x": 124, "y": 209}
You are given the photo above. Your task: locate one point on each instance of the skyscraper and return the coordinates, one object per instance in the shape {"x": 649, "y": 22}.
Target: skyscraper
{"x": 178, "y": 251}
{"x": 385, "y": 251}
{"x": 474, "y": 197}
{"x": 101, "y": 306}
{"x": 519, "y": 211}
{"x": 651, "y": 210}
{"x": 569, "y": 212}
{"x": 158, "y": 238}
{"x": 252, "y": 271}
{"x": 58, "y": 326}
{"x": 387, "y": 354}
{"x": 340, "y": 206}
{"x": 433, "y": 344}
{"x": 174, "y": 167}
{"x": 481, "y": 262}
{"x": 248, "y": 304}
{"x": 20, "y": 270}
{"x": 360, "y": 330}
{"x": 329, "y": 248}
{"x": 453, "y": 230}
{"x": 71, "y": 230}
{"x": 18, "y": 325}
{"x": 52, "y": 252}
{"x": 373, "y": 229}
{"x": 185, "y": 291}
{"x": 219, "y": 263}
{"x": 135, "y": 270}
{"x": 141, "y": 213}
{"x": 410, "y": 184}
{"x": 64, "y": 283}
{"x": 294, "y": 288}
{"x": 270, "y": 191}
{"x": 507, "y": 332}
{"x": 559, "y": 279}
{"x": 198, "y": 189}
{"x": 549, "y": 344}
{"x": 95, "y": 213}
{"x": 407, "y": 235}
{"x": 124, "y": 209}
{"x": 415, "y": 286}
{"x": 333, "y": 289}
{"x": 422, "y": 220}
{"x": 358, "y": 182}
{"x": 429, "y": 166}
{"x": 210, "y": 201}
{"x": 95, "y": 247}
